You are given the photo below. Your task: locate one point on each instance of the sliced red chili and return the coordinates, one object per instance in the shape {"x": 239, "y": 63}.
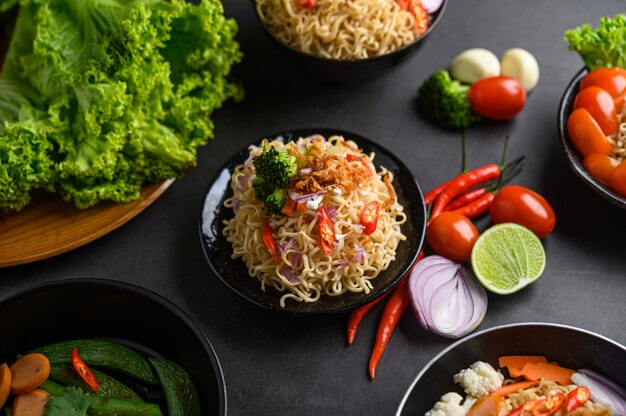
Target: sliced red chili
{"x": 369, "y": 217}
{"x": 525, "y": 409}
{"x": 351, "y": 158}
{"x": 577, "y": 398}
{"x": 83, "y": 371}
{"x": 268, "y": 242}
{"x": 327, "y": 231}
{"x": 307, "y": 4}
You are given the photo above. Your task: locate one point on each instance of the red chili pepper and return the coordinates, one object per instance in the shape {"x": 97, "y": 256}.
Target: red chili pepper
{"x": 351, "y": 158}
{"x": 307, "y": 4}
{"x": 550, "y": 405}
{"x": 369, "y": 217}
{"x": 476, "y": 208}
{"x": 466, "y": 198}
{"x": 268, "y": 242}
{"x": 420, "y": 15}
{"x": 83, "y": 371}
{"x": 404, "y": 4}
{"x": 327, "y": 231}
{"x": 525, "y": 409}
{"x": 577, "y": 398}
{"x": 463, "y": 183}
{"x": 431, "y": 195}
{"x": 359, "y": 313}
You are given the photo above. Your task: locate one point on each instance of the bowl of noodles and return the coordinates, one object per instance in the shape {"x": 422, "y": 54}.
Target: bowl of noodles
{"x": 348, "y": 226}
{"x": 347, "y": 40}
{"x": 584, "y": 352}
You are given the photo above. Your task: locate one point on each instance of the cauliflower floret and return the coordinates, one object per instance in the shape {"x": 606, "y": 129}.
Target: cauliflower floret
{"x": 479, "y": 380}
{"x": 448, "y": 405}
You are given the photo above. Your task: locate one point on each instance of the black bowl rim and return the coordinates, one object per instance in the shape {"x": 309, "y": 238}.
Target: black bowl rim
{"x": 373, "y": 59}
{"x": 573, "y": 155}
{"x": 377, "y": 294}
{"x": 217, "y": 368}
{"x": 495, "y": 329}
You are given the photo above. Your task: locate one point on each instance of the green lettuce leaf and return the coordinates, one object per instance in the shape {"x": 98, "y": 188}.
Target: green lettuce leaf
{"x": 601, "y": 47}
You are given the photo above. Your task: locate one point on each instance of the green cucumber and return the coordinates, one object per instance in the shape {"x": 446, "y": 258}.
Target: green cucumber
{"x": 109, "y": 387}
{"x": 180, "y": 393}
{"x": 100, "y": 353}
{"x": 107, "y": 406}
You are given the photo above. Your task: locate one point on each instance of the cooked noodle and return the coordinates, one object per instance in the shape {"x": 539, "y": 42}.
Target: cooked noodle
{"x": 314, "y": 272}
{"x": 339, "y": 29}
{"x": 543, "y": 390}
{"x": 618, "y": 139}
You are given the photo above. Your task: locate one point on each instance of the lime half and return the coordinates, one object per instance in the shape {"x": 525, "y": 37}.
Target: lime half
{"x": 508, "y": 257}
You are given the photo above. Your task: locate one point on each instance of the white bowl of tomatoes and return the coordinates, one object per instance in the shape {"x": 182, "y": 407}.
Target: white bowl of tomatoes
{"x": 588, "y": 119}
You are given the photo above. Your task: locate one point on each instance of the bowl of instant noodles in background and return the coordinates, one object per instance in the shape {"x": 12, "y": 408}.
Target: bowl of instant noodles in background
{"x": 344, "y": 41}
{"x": 236, "y": 275}
{"x": 570, "y": 347}
{"x": 119, "y": 312}
{"x": 574, "y": 157}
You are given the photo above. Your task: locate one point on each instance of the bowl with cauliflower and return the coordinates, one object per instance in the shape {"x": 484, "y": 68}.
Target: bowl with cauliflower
{"x": 522, "y": 370}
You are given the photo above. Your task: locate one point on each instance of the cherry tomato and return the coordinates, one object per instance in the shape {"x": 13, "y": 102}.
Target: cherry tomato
{"x": 525, "y": 207}
{"x": 327, "y": 230}
{"x": 452, "y": 236}
{"x": 618, "y": 179}
{"x": 601, "y": 167}
{"x": 600, "y": 105}
{"x": 83, "y": 371}
{"x": 609, "y": 79}
{"x": 497, "y": 98}
{"x": 369, "y": 217}
{"x": 586, "y": 134}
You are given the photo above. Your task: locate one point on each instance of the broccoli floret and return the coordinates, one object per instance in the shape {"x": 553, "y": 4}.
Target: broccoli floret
{"x": 274, "y": 170}
{"x": 444, "y": 101}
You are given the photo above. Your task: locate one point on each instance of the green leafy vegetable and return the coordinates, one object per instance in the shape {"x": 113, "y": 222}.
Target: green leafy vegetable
{"x": 602, "y": 47}
{"x": 98, "y": 97}
{"x": 73, "y": 402}
{"x": 274, "y": 171}
{"x": 444, "y": 101}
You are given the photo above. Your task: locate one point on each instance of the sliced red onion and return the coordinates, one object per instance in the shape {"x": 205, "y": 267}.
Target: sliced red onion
{"x": 286, "y": 246}
{"x": 603, "y": 390}
{"x": 290, "y": 275}
{"x": 243, "y": 180}
{"x": 431, "y": 6}
{"x": 294, "y": 259}
{"x": 446, "y": 297}
{"x": 307, "y": 197}
{"x": 236, "y": 204}
{"x": 361, "y": 254}
{"x": 359, "y": 228}
{"x": 344, "y": 262}
{"x": 332, "y": 212}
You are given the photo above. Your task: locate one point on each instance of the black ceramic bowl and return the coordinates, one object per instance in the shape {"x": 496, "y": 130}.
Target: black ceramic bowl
{"x": 360, "y": 70}
{"x": 574, "y": 158}
{"x": 96, "y": 308}
{"x": 233, "y": 272}
{"x": 571, "y": 347}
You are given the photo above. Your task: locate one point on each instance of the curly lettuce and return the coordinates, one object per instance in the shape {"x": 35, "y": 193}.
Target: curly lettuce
{"x": 601, "y": 47}
{"x": 98, "y": 97}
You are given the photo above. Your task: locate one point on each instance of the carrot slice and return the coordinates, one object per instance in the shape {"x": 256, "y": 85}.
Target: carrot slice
{"x": 551, "y": 372}
{"x": 29, "y": 372}
{"x": 513, "y": 388}
{"x": 31, "y": 404}
{"x": 5, "y": 383}
{"x": 515, "y": 363}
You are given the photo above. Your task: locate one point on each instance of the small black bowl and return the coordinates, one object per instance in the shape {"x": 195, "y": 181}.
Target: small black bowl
{"x": 98, "y": 308}
{"x": 574, "y": 158}
{"x": 233, "y": 272}
{"x": 353, "y": 71}
{"x": 569, "y": 346}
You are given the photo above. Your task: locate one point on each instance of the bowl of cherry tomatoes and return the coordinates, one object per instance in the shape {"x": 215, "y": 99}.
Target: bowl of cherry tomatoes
{"x": 592, "y": 129}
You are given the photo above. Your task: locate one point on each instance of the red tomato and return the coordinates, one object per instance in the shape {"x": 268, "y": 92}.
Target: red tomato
{"x": 586, "y": 134}
{"x": 452, "y": 236}
{"x": 525, "y": 207}
{"x": 618, "y": 179}
{"x": 601, "y": 167}
{"x": 600, "y": 105}
{"x": 497, "y": 98}
{"x": 609, "y": 79}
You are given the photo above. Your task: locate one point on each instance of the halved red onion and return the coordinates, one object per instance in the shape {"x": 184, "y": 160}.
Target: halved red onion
{"x": 290, "y": 275}
{"x": 446, "y": 297}
{"x": 603, "y": 390}
{"x": 431, "y": 6}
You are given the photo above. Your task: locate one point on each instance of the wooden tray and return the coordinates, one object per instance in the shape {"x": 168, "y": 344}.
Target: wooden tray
{"x": 50, "y": 226}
